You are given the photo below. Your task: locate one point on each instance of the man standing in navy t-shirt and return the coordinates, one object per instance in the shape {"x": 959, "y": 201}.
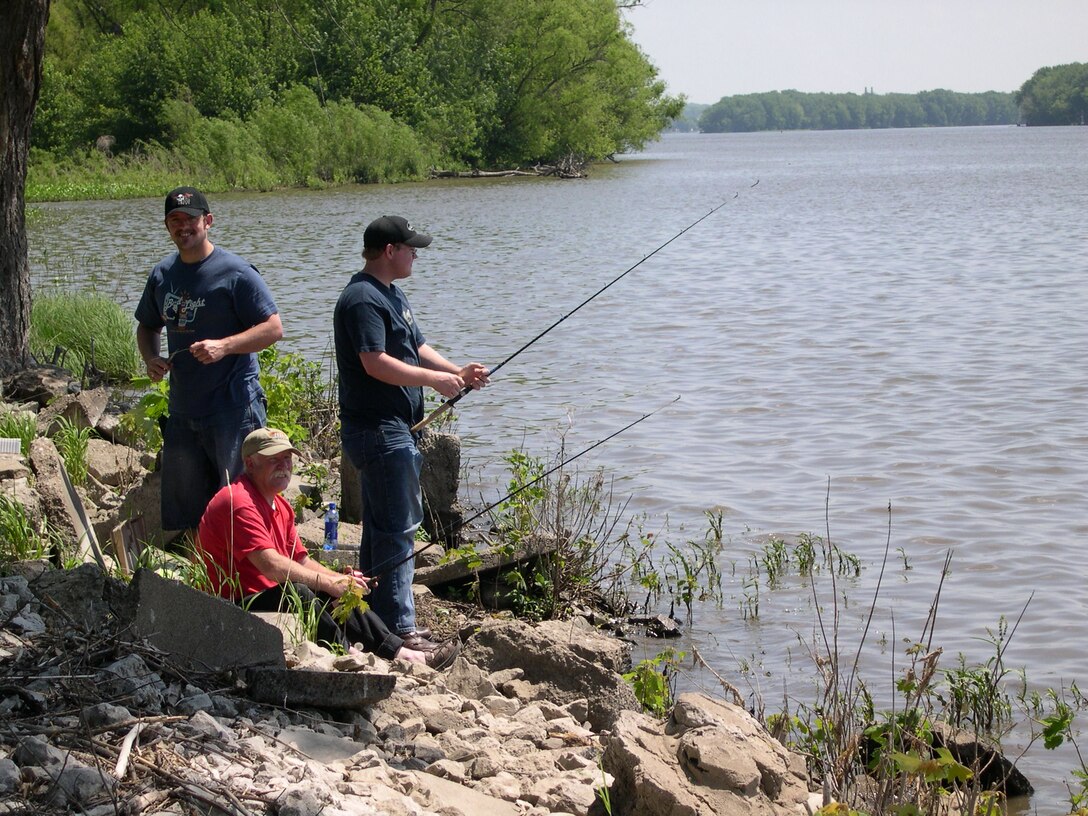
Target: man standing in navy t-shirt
{"x": 384, "y": 362}
{"x": 218, "y": 313}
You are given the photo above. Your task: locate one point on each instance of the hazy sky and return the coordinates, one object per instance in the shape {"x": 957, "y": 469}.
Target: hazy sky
{"x": 708, "y": 49}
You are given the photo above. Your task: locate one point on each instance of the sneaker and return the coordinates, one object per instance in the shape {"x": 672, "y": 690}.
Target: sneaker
{"x": 443, "y": 655}
{"x": 414, "y": 640}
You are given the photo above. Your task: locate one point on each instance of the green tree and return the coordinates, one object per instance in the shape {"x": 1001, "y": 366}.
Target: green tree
{"x": 791, "y": 110}
{"x": 477, "y": 82}
{"x": 1055, "y": 95}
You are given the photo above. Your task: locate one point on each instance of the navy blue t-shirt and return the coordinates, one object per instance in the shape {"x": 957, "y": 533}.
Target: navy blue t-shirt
{"x": 220, "y": 296}
{"x": 370, "y": 317}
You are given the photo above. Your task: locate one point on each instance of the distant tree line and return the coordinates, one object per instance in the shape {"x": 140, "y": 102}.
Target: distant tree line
{"x": 1055, "y": 96}
{"x": 794, "y": 110}
{"x": 270, "y": 92}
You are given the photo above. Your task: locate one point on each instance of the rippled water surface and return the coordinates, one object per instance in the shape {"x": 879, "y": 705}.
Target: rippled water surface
{"x": 886, "y": 319}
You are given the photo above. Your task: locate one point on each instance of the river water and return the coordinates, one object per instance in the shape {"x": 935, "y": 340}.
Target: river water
{"x": 873, "y": 320}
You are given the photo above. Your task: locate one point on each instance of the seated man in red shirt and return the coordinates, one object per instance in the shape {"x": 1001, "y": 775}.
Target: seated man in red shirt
{"x": 248, "y": 541}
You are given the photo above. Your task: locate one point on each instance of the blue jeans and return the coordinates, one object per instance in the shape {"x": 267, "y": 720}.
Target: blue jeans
{"x": 201, "y": 455}
{"x": 389, "y": 464}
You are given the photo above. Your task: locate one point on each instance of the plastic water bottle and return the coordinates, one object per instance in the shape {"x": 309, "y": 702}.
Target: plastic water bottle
{"x": 332, "y": 527}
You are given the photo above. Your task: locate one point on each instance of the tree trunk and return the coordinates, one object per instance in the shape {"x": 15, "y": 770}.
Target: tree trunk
{"x": 22, "y": 45}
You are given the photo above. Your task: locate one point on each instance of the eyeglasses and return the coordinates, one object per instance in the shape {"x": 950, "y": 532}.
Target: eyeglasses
{"x": 411, "y": 249}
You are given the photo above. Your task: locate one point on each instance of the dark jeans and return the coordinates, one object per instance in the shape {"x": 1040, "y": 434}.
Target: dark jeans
{"x": 389, "y": 465}
{"x": 360, "y": 627}
{"x": 201, "y": 455}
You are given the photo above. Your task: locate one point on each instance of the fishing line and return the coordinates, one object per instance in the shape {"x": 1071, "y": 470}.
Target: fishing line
{"x": 445, "y": 533}
{"x": 448, "y": 404}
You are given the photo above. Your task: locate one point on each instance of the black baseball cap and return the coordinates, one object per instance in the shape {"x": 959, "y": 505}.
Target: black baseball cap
{"x": 392, "y": 229}
{"x": 187, "y": 199}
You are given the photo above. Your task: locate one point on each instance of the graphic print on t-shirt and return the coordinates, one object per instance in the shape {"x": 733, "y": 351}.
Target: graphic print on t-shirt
{"x": 180, "y": 309}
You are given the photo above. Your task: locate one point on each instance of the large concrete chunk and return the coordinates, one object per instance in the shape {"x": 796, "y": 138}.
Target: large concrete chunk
{"x": 439, "y": 481}
{"x": 82, "y": 410}
{"x": 711, "y": 757}
{"x": 60, "y": 502}
{"x": 298, "y": 687}
{"x": 563, "y": 662}
{"x": 200, "y": 630}
{"x": 41, "y": 384}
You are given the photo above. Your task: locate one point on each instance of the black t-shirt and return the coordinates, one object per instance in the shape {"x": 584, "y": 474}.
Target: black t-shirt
{"x": 372, "y": 317}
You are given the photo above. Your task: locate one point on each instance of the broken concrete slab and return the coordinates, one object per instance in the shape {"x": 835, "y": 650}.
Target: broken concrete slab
{"x": 439, "y": 481}
{"x": 40, "y": 384}
{"x": 323, "y": 748}
{"x": 321, "y": 689}
{"x": 61, "y": 504}
{"x": 455, "y": 798}
{"x": 83, "y": 410}
{"x": 201, "y": 630}
{"x": 116, "y": 465}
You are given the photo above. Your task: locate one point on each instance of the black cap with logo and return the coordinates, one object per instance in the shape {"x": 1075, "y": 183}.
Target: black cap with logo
{"x": 187, "y": 199}
{"x": 392, "y": 229}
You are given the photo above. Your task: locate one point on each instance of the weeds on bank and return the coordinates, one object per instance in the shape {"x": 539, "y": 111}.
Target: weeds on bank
{"x": 589, "y": 558}
{"x": 654, "y": 681}
{"x": 903, "y": 759}
{"x": 302, "y": 400}
{"x": 144, "y": 420}
{"x": 316, "y": 476}
{"x": 562, "y": 528}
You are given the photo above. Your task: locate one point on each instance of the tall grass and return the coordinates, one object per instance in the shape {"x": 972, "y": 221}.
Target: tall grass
{"x": 72, "y": 443}
{"x": 18, "y": 539}
{"x": 94, "y": 330}
{"x": 22, "y": 426}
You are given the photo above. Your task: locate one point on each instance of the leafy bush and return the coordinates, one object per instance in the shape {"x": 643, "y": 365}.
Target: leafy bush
{"x": 301, "y": 401}
{"x": 142, "y": 420}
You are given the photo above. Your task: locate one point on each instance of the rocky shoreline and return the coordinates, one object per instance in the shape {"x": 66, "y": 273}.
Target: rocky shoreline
{"x": 528, "y": 720}
{"x": 143, "y": 696}
{"x": 111, "y": 707}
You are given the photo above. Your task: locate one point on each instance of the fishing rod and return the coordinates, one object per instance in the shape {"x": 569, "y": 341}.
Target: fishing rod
{"x": 447, "y": 532}
{"x": 448, "y": 404}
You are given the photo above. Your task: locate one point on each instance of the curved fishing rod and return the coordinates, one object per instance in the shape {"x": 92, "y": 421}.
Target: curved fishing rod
{"x": 445, "y": 533}
{"x": 445, "y": 406}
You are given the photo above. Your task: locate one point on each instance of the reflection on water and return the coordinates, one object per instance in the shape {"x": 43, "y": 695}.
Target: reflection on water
{"x": 883, "y": 339}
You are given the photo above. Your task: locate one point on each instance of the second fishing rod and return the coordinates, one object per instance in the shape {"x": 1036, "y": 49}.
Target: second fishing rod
{"x": 448, "y": 404}
{"x": 391, "y": 564}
